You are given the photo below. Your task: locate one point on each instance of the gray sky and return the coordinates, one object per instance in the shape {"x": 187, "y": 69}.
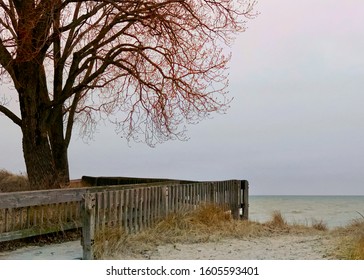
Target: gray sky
{"x": 296, "y": 124}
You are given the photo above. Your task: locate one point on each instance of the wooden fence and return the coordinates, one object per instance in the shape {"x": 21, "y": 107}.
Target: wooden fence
{"x": 33, "y": 213}
{"x": 130, "y": 207}
{"x": 137, "y": 208}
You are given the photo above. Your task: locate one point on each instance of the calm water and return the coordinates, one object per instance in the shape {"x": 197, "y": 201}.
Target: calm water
{"x": 333, "y": 210}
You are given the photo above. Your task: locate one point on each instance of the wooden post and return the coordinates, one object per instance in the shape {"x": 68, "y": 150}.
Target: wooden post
{"x": 164, "y": 203}
{"x": 245, "y": 199}
{"x": 126, "y": 212}
{"x": 212, "y": 199}
{"x": 121, "y": 208}
{"x": 88, "y": 226}
{"x": 235, "y": 199}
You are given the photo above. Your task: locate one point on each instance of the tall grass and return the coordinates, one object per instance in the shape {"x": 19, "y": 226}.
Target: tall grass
{"x": 350, "y": 241}
{"x": 10, "y": 182}
{"x": 277, "y": 220}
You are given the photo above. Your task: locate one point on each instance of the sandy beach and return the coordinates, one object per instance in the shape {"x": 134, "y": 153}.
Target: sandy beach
{"x": 71, "y": 250}
{"x": 284, "y": 247}
{"x": 308, "y": 246}
{"x": 312, "y": 247}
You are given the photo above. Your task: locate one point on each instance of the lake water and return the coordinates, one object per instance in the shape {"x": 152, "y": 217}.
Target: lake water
{"x": 333, "y": 210}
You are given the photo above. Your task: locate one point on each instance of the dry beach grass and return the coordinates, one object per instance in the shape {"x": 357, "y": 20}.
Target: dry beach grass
{"x": 350, "y": 241}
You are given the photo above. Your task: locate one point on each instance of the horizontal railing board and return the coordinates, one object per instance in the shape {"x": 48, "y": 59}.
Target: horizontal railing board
{"x": 105, "y": 181}
{"x": 30, "y": 232}
{"x": 131, "y": 186}
{"x": 44, "y": 197}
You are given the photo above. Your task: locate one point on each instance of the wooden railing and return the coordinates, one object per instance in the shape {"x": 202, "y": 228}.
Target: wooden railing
{"x": 131, "y": 207}
{"x": 32, "y": 213}
{"x": 26, "y": 214}
{"x": 137, "y": 208}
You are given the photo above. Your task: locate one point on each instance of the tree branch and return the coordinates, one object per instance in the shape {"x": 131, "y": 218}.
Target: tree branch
{"x": 71, "y": 118}
{"x": 10, "y": 115}
{"x": 6, "y": 60}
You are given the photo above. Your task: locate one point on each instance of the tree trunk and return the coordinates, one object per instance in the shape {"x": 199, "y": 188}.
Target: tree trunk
{"x": 39, "y": 163}
{"x": 36, "y": 124}
{"x": 60, "y": 158}
{"x": 58, "y": 143}
{"x": 59, "y": 147}
{"x": 45, "y": 151}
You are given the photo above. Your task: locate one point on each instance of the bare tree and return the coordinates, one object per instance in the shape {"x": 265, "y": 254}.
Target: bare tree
{"x": 152, "y": 65}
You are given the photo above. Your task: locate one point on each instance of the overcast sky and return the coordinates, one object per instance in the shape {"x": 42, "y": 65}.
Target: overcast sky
{"x": 296, "y": 124}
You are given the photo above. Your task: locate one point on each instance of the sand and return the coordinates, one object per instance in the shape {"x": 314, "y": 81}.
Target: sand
{"x": 287, "y": 247}
{"x": 71, "y": 250}
{"x": 310, "y": 246}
